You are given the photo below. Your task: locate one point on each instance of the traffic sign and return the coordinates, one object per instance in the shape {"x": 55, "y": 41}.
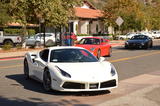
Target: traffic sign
{"x": 119, "y": 21}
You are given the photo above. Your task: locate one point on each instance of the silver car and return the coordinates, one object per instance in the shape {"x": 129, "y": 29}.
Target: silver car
{"x": 38, "y": 39}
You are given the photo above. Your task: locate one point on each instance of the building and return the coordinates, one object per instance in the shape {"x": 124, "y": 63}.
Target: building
{"x": 88, "y": 20}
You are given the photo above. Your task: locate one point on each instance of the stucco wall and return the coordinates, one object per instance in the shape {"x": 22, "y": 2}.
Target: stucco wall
{"x": 83, "y": 27}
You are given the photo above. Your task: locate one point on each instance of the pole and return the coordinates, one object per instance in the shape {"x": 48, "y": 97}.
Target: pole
{"x": 61, "y": 37}
{"x": 44, "y": 35}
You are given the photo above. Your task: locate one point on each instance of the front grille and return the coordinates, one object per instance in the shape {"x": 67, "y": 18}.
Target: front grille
{"x": 106, "y": 84}
{"x": 93, "y": 86}
{"x": 134, "y": 44}
{"x": 72, "y": 85}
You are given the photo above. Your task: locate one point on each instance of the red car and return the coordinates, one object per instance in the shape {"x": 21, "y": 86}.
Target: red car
{"x": 98, "y": 46}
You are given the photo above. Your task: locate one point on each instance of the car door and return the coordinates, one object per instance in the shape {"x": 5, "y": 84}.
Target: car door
{"x": 104, "y": 47}
{"x": 41, "y": 63}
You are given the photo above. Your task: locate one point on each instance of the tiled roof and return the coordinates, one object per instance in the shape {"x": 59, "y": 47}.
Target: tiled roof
{"x": 87, "y": 13}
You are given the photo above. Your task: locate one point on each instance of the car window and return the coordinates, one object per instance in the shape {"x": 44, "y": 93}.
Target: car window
{"x": 44, "y": 55}
{"x": 72, "y": 55}
{"x": 90, "y": 41}
{"x": 139, "y": 37}
{"x": 48, "y": 35}
{"x": 38, "y": 36}
{"x": 102, "y": 40}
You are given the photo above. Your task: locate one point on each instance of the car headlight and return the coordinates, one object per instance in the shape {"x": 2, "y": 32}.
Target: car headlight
{"x": 126, "y": 43}
{"x": 92, "y": 49}
{"x": 65, "y": 74}
{"x": 113, "y": 70}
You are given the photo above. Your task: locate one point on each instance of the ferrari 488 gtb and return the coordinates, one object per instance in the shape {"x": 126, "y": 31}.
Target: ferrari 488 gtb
{"x": 70, "y": 69}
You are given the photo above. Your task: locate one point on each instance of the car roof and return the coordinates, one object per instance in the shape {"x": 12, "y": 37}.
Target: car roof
{"x": 65, "y": 47}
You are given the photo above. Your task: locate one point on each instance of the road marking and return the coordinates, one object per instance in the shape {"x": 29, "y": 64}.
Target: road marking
{"x": 130, "y": 58}
{"x": 113, "y": 61}
{"x": 12, "y": 66}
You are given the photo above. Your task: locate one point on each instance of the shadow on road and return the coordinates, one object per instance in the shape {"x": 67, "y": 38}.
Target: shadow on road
{"x": 21, "y": 102}
{"x": 37, "y": 87}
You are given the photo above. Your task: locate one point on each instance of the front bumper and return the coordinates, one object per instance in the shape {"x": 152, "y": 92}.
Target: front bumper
{"x": 86, "y": 86}
{"x": 135, "y": 45}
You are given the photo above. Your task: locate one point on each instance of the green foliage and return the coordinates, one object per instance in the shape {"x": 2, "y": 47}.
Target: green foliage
{"x": 4, "y": 16}
{"x": 6, "y": 47}
{"x": 102, "y": 34}
{"x": 54, "y": 12}
{"x": 18, "y": 31}
{"x": 19, "y": 46}
{"x": 136, "y": 15}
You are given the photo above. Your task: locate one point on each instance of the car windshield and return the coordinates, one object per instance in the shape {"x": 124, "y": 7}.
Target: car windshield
{"x": 140, "y": 37}
{"x": 72, "y": 55}
{"x": 90, "y": 41}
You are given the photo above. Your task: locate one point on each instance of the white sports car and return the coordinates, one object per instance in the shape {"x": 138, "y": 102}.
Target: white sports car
{"x": 70, "y": 69}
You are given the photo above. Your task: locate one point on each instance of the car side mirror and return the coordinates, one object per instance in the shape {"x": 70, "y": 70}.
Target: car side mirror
{"x": 33, "y": 56}
{"x": 101, "y": 59}
{"x": 76, "y": 42}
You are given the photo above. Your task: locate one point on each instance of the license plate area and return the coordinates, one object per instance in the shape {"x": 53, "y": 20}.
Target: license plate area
{"x": 93, "y": 86}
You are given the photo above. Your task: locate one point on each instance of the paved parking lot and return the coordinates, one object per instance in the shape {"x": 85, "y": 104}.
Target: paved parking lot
{"x": 139, "y": 83}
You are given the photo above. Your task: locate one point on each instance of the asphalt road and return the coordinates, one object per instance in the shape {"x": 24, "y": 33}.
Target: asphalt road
{"x": 139, "y": 83}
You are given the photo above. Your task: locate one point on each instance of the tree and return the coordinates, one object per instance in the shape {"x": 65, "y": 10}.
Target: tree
{"x": 129, "y": 10}
{"x": 152, "y": 15}
{"x": 4, "y": 16}
{"x": 53, "y": 12}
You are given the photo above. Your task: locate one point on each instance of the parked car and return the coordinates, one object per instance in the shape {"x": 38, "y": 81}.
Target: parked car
{"x": 38, "y": 39}
{"x": 149, "y": 34}
{"x": 156, "y": 34}
{"x": 98, "y": 46}
{"x": 127, "y": 36}
{"x": 69, "y": 68}
{"x": 139, "y": 41}
{"x": 9, "y": 39}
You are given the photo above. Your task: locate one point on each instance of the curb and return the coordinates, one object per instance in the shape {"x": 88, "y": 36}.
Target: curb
{"x": 22, "y": 56}
{"x": 11, "y": 58}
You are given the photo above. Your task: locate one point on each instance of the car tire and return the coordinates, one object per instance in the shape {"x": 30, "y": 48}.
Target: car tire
{"x": 151, "y": 45}
{"x": 98, "y": 54}
{"x": 8, "y": 42}
{"x": 121, "y": 38}
{"x": 110, "y": 52}
{"x": 47, "y": 80}
{"x": 126, "y": 47}
{"x": 146, "y": 46}
{"x": 50, "y": 43}
{"x": 37, "y": 44}
{"x": 26, "y": 69}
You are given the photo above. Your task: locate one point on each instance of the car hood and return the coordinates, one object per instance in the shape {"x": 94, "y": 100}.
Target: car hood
{"x": 136, "y": 41}
{"x": 90, "y": 71}
{"x": 87, "y": 46}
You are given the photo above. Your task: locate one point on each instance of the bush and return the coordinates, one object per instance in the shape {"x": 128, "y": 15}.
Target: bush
{"x": 6, "y": 47}
{"x": 18, "y": 31}
{"x": 102, "y": 34}
{"x": 31, "y": 31}
{"x": 19, "y": 46}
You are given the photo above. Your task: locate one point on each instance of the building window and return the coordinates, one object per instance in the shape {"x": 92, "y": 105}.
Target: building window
{"x": 97, "y": 28}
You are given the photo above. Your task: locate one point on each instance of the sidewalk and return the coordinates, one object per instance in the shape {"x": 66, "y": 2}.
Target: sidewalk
{"x": 21, "y": 53}
{"x": 15, "y": 53}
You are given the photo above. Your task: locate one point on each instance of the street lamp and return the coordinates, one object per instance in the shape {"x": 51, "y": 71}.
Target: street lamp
{"x": 42, "y": 24}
